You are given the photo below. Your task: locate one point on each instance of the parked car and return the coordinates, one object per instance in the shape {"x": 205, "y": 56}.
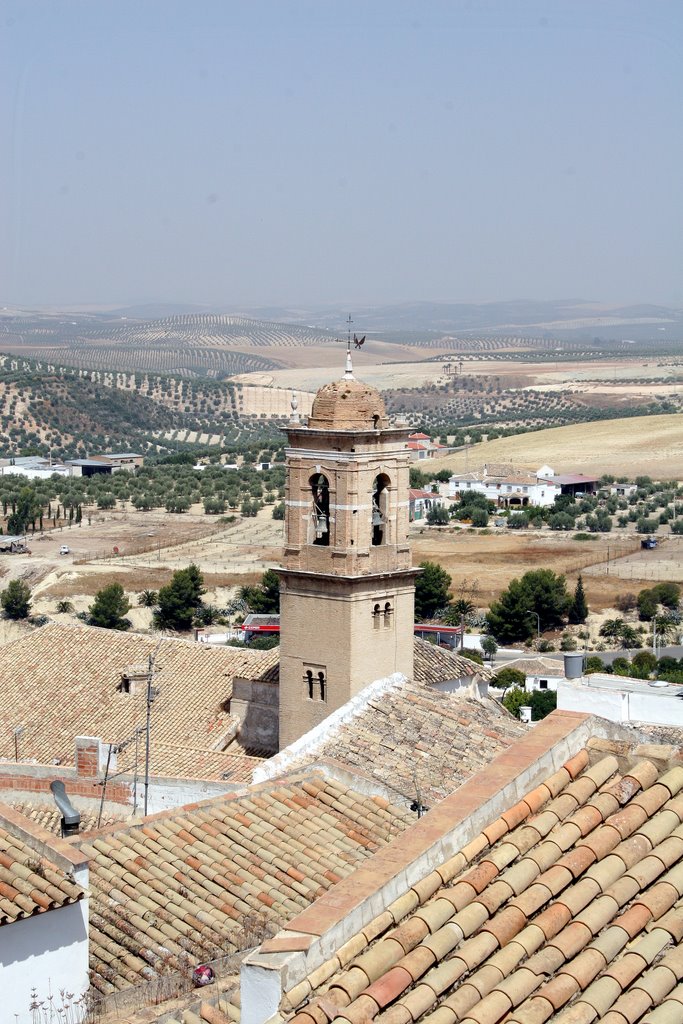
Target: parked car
{"x": 65, "y": 549}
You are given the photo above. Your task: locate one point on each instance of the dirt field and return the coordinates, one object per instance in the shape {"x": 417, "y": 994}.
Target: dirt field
{"x": 230, "y": 558}
{"x": 651, "y": 445}
{"x": 494, "y": 559}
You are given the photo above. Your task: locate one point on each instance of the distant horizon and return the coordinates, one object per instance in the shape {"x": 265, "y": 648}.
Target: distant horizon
{"x": 223, "y": 307}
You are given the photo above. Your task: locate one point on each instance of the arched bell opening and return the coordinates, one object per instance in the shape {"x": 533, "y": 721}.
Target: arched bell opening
{"x": 380, "y": 509}
{"x": 320, "y": 513}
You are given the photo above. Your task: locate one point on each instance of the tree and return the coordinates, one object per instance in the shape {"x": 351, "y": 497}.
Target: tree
{"x": 643, "y": 664}
{"x": 668, "y": 594}
{"x": 647, "y": 605}
{"x": 507, "y": 677}
{"x": 514, "y": 699}
{"x": 431, "y": 590}
{"x": 629, "y": 637}
{"x": 518, "y": 521}
{"x": 578, "y": 610}
{"x": 539, "y": 592}
{"x": 561, "y": 521}
{"x": 438, "y": 516}
{"x": 611, "y": 628}
{"x": 180, "y": 599}
{"x": 542, "y": 703}
{"x": 263, "y": 599}
{"x": 480, "y": 517}
{"x": 593, "y": 664}
{"x": 110, "y": 607}
{"x": 148, "y": 598}
{"x": 489, "y": 647}
{"x": 16, "y": 599}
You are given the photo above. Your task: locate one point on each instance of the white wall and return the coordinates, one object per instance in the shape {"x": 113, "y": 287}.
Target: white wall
{"x": 48, "y": 952}
{"x": 533, "y": 683}
{"x": 646, "y": 706}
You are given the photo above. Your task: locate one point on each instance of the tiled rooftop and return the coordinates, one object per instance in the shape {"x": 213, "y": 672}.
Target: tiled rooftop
{"x": 567, "y": 908}
{"x": 537, "y": 666}
{"x": 201, "y": 882}
{"x": 50, "y": 818}
{"x": 409, "y": 738}
{"x": 79, "y": 670}
{"x": 30, "y": 884}
{"x": 435, "y": 664}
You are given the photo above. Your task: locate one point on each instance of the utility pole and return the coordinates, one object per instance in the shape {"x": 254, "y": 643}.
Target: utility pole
{"x": 151, "y": 694}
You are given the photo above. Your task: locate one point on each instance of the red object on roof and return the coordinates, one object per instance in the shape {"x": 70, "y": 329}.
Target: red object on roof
{"x": 419, "y": 437}
{"x": 413, "y": 494}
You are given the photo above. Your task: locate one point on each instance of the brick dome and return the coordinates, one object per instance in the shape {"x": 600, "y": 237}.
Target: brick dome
{"x": 347, "y": 404}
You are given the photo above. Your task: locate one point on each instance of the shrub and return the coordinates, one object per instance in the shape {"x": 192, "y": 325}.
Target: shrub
{"x": 625, "y": 602}
{"x": 16, "y": 600}
{"x": 110, "y": 608}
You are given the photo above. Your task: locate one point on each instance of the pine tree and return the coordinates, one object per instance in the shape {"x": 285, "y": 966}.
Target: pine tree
{"x": 579, "y": 608}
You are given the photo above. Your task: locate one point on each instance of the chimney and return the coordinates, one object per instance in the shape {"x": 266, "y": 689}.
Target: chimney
{"x": 91, "y": 757}
{"x": 133, "y": 678}
{"x": 71, "y": 818}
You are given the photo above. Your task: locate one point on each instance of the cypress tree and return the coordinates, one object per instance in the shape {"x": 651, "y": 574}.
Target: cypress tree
{"x": 579, "y": 608}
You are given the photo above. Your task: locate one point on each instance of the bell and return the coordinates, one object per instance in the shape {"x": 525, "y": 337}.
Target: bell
{"x": 320, "y": 526}
{"x": 377, "y": 519}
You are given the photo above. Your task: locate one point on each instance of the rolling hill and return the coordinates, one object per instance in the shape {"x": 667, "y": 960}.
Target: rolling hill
{"x": 643, "y": 445}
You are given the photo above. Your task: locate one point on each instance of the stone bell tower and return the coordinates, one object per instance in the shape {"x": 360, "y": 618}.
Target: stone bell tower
{"x": 347, "y": 587}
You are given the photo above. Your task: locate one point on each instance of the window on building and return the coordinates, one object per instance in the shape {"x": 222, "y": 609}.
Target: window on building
{"x": 320, "y": 513}
{"x": 380, "y": 509}
{"x": 543, "y": 684}
{"x": 315, "y": 683}
{"x": 383, "y": 613}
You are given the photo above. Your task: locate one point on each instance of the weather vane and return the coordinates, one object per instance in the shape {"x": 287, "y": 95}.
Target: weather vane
{"x": 357, "y": 342}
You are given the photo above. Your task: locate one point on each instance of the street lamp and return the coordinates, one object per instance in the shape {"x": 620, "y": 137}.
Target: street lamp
{"x": 530, "y": 611}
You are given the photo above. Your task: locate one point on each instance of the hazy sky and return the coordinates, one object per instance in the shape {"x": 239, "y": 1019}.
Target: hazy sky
{"x": 268, "y": 151}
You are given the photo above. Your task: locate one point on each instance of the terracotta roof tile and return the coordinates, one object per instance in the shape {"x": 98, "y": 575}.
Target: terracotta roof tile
{"x": 30, "y": 884}
{"x": 411, "y": 732}
{"x": 79, "y": 668}
{"x": 553, "y": 922}
{"x": 218, "y": 876}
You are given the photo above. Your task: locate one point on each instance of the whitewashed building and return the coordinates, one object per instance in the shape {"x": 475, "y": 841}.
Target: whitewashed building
{"x": 508, "y": 487}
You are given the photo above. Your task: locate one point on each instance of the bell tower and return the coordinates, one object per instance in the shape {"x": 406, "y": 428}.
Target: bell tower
{"x": 347, "y": 587}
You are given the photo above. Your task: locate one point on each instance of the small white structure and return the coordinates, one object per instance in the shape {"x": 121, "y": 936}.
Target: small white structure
{"x": 540, "y": 673}
{"x": 508, "y": 487}
{"x": 623, "y": 699}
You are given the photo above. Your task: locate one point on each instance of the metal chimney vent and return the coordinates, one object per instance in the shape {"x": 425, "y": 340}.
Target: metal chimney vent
{"x": 71, "y": 818}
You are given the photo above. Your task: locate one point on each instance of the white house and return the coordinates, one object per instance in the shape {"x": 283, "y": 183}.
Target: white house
{"x": 540, "y": 673}
{"x": 508, "y": 487}
{"x": 421, "y": 446}
{"x": 420, "y": 502}
{"x": 43, "y": 918}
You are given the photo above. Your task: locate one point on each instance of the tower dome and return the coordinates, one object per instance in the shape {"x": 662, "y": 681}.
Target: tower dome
{"x": 347, "y": 404}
